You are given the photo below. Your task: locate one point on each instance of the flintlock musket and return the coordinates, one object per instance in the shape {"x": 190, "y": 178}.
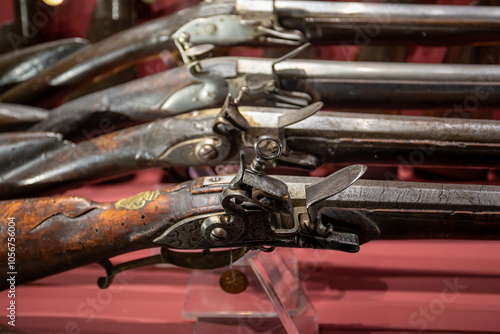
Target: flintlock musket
{"x": 215, "y": 136}
{"x": 196, "y": 30}
{"x": 459, "y": 89}
{"x": 248, "y": 211}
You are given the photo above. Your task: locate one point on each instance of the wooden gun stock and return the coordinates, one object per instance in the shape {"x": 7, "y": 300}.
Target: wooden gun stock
{"x": 56, "y": 234}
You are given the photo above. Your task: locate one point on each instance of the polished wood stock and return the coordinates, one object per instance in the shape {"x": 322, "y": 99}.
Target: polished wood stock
{"x": 56, "y": 234}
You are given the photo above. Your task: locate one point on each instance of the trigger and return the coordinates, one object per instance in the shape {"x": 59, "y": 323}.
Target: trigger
{"x": 204, "y": 261}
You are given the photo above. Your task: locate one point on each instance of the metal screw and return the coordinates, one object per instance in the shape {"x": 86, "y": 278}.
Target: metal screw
{"x": 211, "y": 96}
{"x": 210, "y": 29}
{"x": 244, "y": 90}
{"x": 184, "y": 38}
{"x": 305, "y": 223}
{"x": 218, "y": 234}
{"x": 207, "y": 152}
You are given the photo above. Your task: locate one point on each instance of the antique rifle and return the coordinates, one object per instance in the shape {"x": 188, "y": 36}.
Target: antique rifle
{"x": 215, "y": 136}
{"x": 248, "y": 211}
{"x": 458, "y": 89}
{"x": 196, "y": 30}
{"x": 20, "y": 65}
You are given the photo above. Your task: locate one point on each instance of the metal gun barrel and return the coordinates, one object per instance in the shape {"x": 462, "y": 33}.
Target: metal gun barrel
{"x": 372, "y": 23}
{"x": 389, "y": 139}
{"x": 407, "y": 210}
{"x": 378, "y": 85}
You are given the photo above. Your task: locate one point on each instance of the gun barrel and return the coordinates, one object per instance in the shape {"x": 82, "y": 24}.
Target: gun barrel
{"x": 405, "y": 210}
{"x": 383, "y": 12}
{"x": 377, "y": 85}
{"x": 372, "y": 23}
{"x": 389, "y": 139}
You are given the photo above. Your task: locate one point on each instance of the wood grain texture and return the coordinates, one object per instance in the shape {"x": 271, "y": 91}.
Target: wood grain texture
{"x": 61, "y": 233}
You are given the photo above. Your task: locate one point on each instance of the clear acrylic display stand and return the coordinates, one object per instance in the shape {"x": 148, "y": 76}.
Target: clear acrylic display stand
{"x": 272, "y": 303}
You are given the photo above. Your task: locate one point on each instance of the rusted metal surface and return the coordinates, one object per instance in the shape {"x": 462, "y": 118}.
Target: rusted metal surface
{"x": 15, "y": 117}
